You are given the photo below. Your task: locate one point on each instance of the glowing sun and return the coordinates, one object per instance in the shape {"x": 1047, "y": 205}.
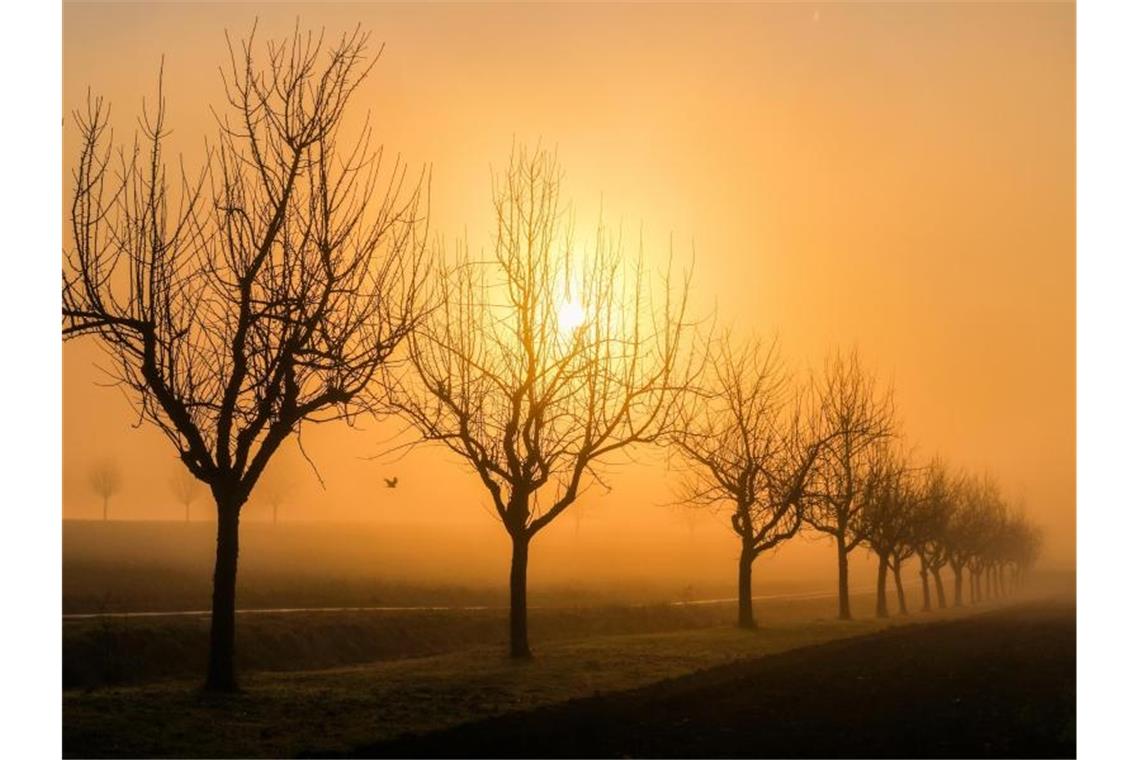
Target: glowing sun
{"x": 571, "y": 316}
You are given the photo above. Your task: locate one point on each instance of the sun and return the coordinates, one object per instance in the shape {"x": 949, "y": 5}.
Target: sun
{"x": 571, "y": 316}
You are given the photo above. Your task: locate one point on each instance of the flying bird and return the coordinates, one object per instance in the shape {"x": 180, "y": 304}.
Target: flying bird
{"x": 391, "y": 482}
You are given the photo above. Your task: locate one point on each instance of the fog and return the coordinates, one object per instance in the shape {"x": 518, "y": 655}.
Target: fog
{"x": 934, "y": 229}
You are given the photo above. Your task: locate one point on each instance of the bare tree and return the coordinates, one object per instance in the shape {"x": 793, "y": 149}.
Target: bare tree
{"x": 884, "y": 519}
{"x": 106, "y": 480}
{"x": 274, "y": 489}
{"x": 537, "y": 368}
{"x": 931, "y": 520}
{"x": 185, "y": 487}
{"x": 263, "y": 291}
{"x": 1021, "y": 548}
{"x": 746, "y": 448}
{"x": 855, "y": 415}
{"x": 969, "y": 531}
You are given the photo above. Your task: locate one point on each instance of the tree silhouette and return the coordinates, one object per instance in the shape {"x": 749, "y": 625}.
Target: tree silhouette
{"x": 263, "y": 291}
{"x": 186, "y": 488}
{"x": 106, "y": 480}
{"x": 746, "y": 447}
{"x": 931, "y": 521}
{"x": 274, "y": 489}
{"x": 854, "y": 416}
{"x": 537, "y": 368}
{"x": 887, "y": 519}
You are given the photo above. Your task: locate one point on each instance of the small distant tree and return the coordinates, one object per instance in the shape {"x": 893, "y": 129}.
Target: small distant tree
{"x": 932, "y": 518}
{"x": 186, "y": 488}
{"x": 274, "y": 489}
{"x": 1023, "y": 544}
{"x": 746, "y": 449}
{"x": 967, "y": 532}
{"x": 264, "y": 291}
{"x": 887, "y": 519}
{"x": 855, "y": 415}
{"x": 537, "y": 369}
{"x": 106, "y": 480}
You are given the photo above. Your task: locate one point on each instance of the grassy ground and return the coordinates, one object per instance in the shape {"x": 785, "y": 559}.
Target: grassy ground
{"x": 338, "y": 709}
{"x": 999, "y": 684}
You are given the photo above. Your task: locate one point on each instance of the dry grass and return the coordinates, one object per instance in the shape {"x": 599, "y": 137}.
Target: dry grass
{"x": 330, "y": 710}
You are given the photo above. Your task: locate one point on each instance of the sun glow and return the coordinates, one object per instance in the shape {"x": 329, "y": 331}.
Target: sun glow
{"x": 571, "y": 316}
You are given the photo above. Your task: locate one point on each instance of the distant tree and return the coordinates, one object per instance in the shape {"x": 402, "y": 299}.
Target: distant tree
{"x": 536, "y": 368}
{"x": 854, "y": 417}
{"x": 274, "y": 489}
{"x": 265, "y": 290}
{"x": 106, "y": 480}
{"x": 186, "y": 488}
{"x": 931, "y": 520}
{"x": 1022, "y": 548}
{"x": 967, "y": 532}
{"x": 747, "y": 449}
{"x": 887, "y": 518}
{"x": 578, "y": 512}
{"x": 988, "y": 517}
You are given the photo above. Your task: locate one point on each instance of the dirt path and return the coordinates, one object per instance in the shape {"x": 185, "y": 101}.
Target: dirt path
{"x": 1001, "y": 684}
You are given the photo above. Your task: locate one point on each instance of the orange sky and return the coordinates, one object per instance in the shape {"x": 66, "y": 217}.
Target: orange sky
{"x": 897, "y": 175}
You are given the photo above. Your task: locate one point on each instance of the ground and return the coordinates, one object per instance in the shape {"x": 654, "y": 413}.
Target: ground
{"x": 358, "y": 708}
{"x": 1000, "y": 684}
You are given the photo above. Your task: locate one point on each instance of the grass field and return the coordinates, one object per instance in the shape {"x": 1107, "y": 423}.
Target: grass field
{"x": 286, "y": 712}
{"x": 996, "y": 684}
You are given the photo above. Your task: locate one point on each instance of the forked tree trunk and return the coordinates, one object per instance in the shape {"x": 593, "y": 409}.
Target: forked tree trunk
{"x": 520, "y": 646}
{"x": 881, "y": 588}
{"x": 745, "y": 617}
{"x": 844, "y": 600}
{"x": 939, "y": 589}
{"x": 220, "y": 675}
{"x": 924, "y": 573}
{"x": 897, "y": 570}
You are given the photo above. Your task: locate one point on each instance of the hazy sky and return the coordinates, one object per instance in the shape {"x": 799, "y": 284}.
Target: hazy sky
{"x": 900, "y": 176}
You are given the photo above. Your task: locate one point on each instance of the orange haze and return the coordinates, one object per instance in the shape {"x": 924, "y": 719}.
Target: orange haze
{"x": 895, "y": 175}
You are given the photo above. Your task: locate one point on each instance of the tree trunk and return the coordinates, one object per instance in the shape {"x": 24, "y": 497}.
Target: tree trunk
{"x": 989, "y": 582}
{"x": 957, "y": 586}
{"x": 104, "y": 509}
{"x": 924, "y": 573}
{"x": 1001, "y": 581}
{"x": 745, "y": 617}
{"x": 221, "y": 676}
{"x": 897, "y": 570}
{"x": 520, "y": 646}
{"x": 881, "y": 588}
{"x": 938, "y": 588}
{"x": 844, "y": 600}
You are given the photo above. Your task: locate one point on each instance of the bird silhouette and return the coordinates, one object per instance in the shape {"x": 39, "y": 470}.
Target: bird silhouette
{"x": 391, "y": 482}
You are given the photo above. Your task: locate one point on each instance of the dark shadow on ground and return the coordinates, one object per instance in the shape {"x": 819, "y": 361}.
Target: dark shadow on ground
{"x": 1001, "y": 684}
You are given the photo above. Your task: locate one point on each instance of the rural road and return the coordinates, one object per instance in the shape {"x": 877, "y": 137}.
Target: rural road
{"x": 1000, "y": 684}
{"x": 427, "y": 608}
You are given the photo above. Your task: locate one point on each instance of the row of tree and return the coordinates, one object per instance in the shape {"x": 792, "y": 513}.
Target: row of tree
{"x": 106, "y": 480}
{"x": 827, "y": 454}
{"x": 288, "y": 281}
